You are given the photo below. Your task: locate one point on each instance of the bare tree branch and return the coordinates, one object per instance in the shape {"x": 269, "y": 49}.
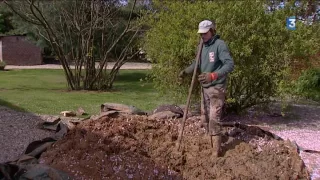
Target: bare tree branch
{"x": 82, "y": 34}
{"x": 32, "y": 21}
{"x": 118, "y": 39}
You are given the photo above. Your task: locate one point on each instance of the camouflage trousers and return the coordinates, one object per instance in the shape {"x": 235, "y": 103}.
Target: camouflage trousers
{"x": 212, "y": 101}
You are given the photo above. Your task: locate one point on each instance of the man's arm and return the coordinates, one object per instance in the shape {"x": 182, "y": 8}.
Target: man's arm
{"x": 226, "y": 59}
{"x": 190, "y": 68}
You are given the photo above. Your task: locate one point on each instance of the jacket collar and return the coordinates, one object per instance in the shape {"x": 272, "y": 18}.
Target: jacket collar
{"x": 212, "y": 40}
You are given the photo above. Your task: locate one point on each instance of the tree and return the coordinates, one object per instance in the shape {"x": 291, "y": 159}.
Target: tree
{"x": 2, "y": 25}
{"x": 260, "y": 44}
{"x": 5, "y": 20}
{"x": 82, "y": 32}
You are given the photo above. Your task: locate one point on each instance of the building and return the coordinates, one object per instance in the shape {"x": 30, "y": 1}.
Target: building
{"x": 17, "y": 50}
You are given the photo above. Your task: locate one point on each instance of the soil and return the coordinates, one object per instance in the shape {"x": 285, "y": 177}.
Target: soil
{"x": 300, "y": 123}
{"x": 133, "y": 147}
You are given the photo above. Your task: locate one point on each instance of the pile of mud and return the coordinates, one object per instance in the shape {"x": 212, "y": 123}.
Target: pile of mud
{"x": 133, "y": 147}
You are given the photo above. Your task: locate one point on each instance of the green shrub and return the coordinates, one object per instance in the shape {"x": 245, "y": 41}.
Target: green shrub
{"x": 2, "y": 65}
{"x": 308, "y": 84}
{"x": 261, "y": 46}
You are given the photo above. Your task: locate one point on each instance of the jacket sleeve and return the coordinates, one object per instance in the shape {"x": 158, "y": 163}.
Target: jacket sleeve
{"x": 226, "y": 59}
{"x": 190, "y": 68}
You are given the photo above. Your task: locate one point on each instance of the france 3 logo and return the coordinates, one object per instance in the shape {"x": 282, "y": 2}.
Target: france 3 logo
{"x": 291, "y": 23}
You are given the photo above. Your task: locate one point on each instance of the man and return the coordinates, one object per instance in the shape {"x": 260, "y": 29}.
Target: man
{"x": 215, "y": 64}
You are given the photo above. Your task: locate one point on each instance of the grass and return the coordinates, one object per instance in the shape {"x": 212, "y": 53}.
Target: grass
{"x": 45, "y": 92}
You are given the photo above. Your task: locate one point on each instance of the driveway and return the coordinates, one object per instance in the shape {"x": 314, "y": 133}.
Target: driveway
{"x": 128, "y": 65}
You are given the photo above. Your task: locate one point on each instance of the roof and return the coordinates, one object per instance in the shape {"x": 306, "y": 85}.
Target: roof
{"x": 18, "y": 35}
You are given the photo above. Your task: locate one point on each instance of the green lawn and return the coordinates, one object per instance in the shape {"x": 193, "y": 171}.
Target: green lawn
{"x": 45, "y": 92}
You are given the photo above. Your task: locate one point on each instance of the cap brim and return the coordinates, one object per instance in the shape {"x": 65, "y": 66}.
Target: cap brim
{"x": 200, "y": 31}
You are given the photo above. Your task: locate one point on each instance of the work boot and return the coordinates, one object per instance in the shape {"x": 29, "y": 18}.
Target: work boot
{"x": 216, "y": 146}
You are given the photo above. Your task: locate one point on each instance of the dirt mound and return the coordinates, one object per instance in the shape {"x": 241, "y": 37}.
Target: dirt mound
{"x": 133, "y": 147}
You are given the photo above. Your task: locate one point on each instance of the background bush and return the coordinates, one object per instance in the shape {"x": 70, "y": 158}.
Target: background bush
{"x": 261, "y": 46}
{"x": 308, "y": 84}
{"x": 3, "y": 63}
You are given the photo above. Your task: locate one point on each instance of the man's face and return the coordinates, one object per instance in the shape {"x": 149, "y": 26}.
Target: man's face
{"x": 206, "y": 36}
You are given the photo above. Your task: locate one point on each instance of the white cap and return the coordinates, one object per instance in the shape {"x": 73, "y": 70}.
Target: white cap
{"x": 205, "y": 26}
